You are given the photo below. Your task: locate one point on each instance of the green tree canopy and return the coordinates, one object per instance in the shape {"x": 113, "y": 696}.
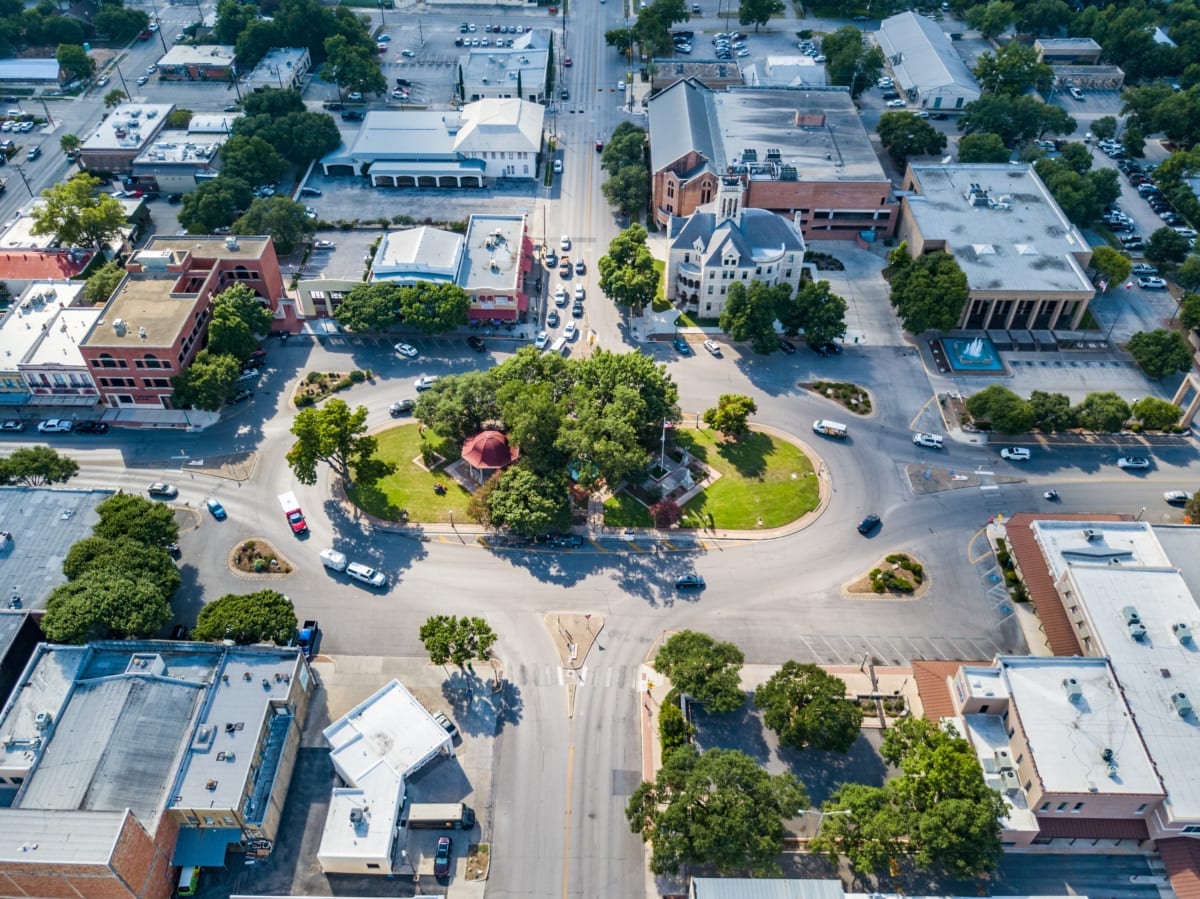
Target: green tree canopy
{"x": 332, "y": 434}
{"x": 238, "y": 316}
{"x": 1104, "y": 413}
{"x": 119, "y": 22}
{"x": 704, "y": 668}
{"x": 626, "y": 147}
{"x": 281, "y": 217}
{"x": 1167, "y": 247}
{"x": 1014, "y": 119}
{"x": 534, "y": 418}
{"x": 719, "y": 809}
{"x": 36, "y": 466}
{"x": 70, "y": 143}
{"x": 251, "y": 159}
{"x": 817, "y": 311}
{"x": 627, "y": 273}
{"x": 1114, "y": 267}
{"x": 806, "y": 706}
{"x": 271, "y": 102}
{"x": 731, "y": 414}
{"x": 459, "y": 640}
{"x": 123, "y": 556}
{"x": 74, "y": 59}
{"x": 758, "y": 12}
{"x": 1160, "y": 352}
{"x": 78, "y": 214}
{"x": 929, "y": 293}
{"x": 851, "y": 61}
{"x": 1052, "y": 412}
{"x": 233, "y": 17}
{"x": 1013, "y": 70}
{"x": 352, "y": 66}
{"x": 105, "y": 603}
{"x": 1156, "y": 414}
{"x": 434, "y": 308}
{"x": 982, "y": 147}
{"x": 628, "y": 189}
{"x": 458, "y": 407}
{"x": 214, "y": 204}
{"x": 992, "y": 19}
{"x": 137, "y": 518}
{"x": 751, "y": 311}
{"x": 529, "y": 503}
{"x": 1187, "y": 275}
{"x": 1105, "y": 127}
{"x": 264, "y": 616}
{"x": 207, "y": 383}
{"x": 903, "y": 134}
{"x": 1082, "y": 195}
{"x": 299, "y": 136}
{"x": 102, "y": 282}
{"x": 1001, "y": 408}
{"x": 114, "y": 97}
{"x": 369, "y": 307}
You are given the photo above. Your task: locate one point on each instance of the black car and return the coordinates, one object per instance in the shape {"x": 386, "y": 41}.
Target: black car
{"x": 940, "y": 116}
{"x": 577, "y": 310}
{"x": 90, "y": 427}
{"x": 869, "y": 524}
{"x": 333, "y": 106}
{"x": 403, "y": 82}
{"x": 441, "y": 859}
{"x": 242, "y": 395}
{"x": 179, "y": 632}
{"x": 787, "y": 346}
{"x": 476, "y": 343}
{"x": 402, "y": 407}
{"x": 828, "y": 348}
{"x": 175, "y": 198}
{"x": 689, "y": 582}
{"x": 256, "y": 362}
{"x": 352, "y": 115}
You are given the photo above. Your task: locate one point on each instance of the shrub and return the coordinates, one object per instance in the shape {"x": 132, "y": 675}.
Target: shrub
{"x": 314, "y": 377}
{"x": 343, "y": 384}
{"x": 673, "y": 729}
{"x": 358, "y": 376}
{"x": 304, "y": 399}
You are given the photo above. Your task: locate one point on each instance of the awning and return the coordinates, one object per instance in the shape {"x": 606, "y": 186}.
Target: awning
{"x": 204, "y": 847}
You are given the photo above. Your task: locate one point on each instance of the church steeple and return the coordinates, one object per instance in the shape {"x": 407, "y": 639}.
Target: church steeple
{"x": 729, "y": 199}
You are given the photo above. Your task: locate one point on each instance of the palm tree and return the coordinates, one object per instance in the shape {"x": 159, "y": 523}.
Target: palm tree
{"x": 70, "y": 143}
{"x": 114, "y": 98}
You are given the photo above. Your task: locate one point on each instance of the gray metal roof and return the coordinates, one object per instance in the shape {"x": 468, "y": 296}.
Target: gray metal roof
{"x": 40, "y": 836}
{"x": 922, "y": 55}
{"x": 756, "y": 233}
{"x": 680, "y": 123}
{"x": 762, "y": 888}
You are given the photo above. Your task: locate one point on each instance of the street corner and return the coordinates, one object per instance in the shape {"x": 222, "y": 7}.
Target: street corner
{"x": 573, "y": 634}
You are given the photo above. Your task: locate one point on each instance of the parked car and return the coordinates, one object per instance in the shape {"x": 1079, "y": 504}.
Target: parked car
{"x": 55, "y": 426}
{"x": 896, "y": 104}
{"x": 579, "y": 292}
{"x": 1133, "y": 462}
{"x": 160, "y": 490}
{"x": 425, "y": 382}
{"x": 12, "y": 424}
{"x": 1077, "y": 94}
{"x": 1141, "y": 268}
{"x": 1015, "y": 454}
{"x": 323, "y": 245}
{"x": 405, "y": 349}
{"x": 570, "y": 331}
{"x": 552, "y": 318}
{"x": 241, "y": 396}
{"x": 216, "y": 509}
{"x": 91, "y": 427}
{"x": 869, "y": 524}
{"x": 689, "y": 582}
{"x": 682, "y": 346}
{"x": 828, "y": 348}
{"x": 310, "y": 192}
{"x": 712, "y": 347}
{"x": 476, "y": 343}
{"x": 401, "y": 407}
{"x": 1152, "y": 283}
{"x": 580, "y": 268}
{"x": 541, "y": 340}
{"x": 441, "y": 858}
{"x": 787, "y": 346}
{"x": 447, "y": 725}
{"x": 1177, "y": 497}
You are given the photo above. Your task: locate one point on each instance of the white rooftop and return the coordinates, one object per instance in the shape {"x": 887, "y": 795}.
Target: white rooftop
{"x": 500, "y": 67}
{"x": 59, "y": 347}
{"x": 129, "y": 126}
{"x": 1013, "y": 237}
{"x": 278, "y": 67}
{"x": 493, "y": 253}
{"x": 30, "y": 316}
{"x": 179, "y": 148}
{"x": 212, "y": 123}
{"x": 418, "y": 254}
{"x": 1120, "y": 572}
{"x": 202, "y": 55}
{"x": 45, "y": 836}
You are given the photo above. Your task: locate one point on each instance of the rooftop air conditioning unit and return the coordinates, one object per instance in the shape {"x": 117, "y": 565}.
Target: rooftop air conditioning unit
{"x": 119, "y": 327}
{"x": 43, "y": 720}
{"x": 1182, "y": 632}
{"x": 1183, "y": 705}
{"x": 1137, "y": 631}
{"x": 1090, "y": 534}
{"x": 1072, "y": 689}
{"x": 1130, "y": 614}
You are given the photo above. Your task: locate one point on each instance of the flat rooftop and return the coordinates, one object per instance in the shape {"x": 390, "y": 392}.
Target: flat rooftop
{"x": 202, "y": 55}
{"x": 45, "y": 836}
{"x": 277, "y": 67}
{"x": 212, "y": 123}
{"x": 500, "y": 67}
{"x": 1022, "y": 243}
{"x": 1121, "y": 571}
{"x": 59, "y": 346}
{"x": 45, "y": 523}
{"x": 18, "y": 232}
{"x": 170, "y": 149}
{"x": 29, "y": 318}
{"x": 1067, "y": 43}
{"x": 130, "y": 126}
{"x": 151, "y": 314}
{"x": 210, "y": 246}
{"x": 492, "y": 260}
{"x": 423, "y": 253}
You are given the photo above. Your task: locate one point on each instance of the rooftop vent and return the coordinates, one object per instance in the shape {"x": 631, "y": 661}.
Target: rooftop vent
{"x": 119, "y": 327}
{"x": 1008, "y": 781}
{"x": 211, "y": 785}
{"x": 1092, "y": 534}
{"x": 356, "y": 816}
{"x": 1107, "y": 754}
{"x": 774, "y": 154}
{"x": 1072, "y": 689}
{"x": 1130, "y": 614}
{"x": 750, "y": 155}
{"x": 1183, "y": 705}
{"x": 231, "y": 243}
{"x": 142, "y": 333}
{"x": 43, "y": 720}
{"x": 1182, "y": 632}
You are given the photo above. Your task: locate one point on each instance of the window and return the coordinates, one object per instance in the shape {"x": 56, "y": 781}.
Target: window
{"x": 1045, "y": 807}
{"x": 372, "y": 866}
{"x": 1191, "y": 828}
{"x": 710, "y": 289}
{"x": 1140, "y": 809}
{"x": 1078, "y": 808}
{"x": 1020, "y": 758}
{"x": 1062, "y": 807}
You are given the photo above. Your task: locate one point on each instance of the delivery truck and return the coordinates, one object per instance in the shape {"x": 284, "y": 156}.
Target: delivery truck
{"x": 291, "y": 510}
{"x": 830, "y": 428}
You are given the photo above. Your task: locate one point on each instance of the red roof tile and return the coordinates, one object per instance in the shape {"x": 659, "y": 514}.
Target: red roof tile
{"x": 932, "y": 687}
{"x": 1075, "y": 827}
{"x": 43, "y": 265}
{"x": 1181, "y": 857}
{"x": 1060, "y": 632}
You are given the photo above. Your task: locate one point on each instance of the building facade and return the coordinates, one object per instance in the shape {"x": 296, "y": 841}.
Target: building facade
{"x": 504, "y": 74}
{"x": 927, "y": 68}
{"x": 206, "y": 62}
{"x": 124, "y": 134}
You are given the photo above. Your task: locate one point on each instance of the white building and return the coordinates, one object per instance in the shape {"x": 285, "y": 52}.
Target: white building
{"x": 122, "y": 135}
{"x": 786, "y": 71}
{"x": 725, "y": 243}
{"x": 281, "y": 69}
{"x": 484, "y": 141}
{"x": 375, "y": 747}
{"x": 176, "y": 163}
{"x": 927, "y": 68}
{"x": 504, "y": 74}
{"x": 39, "y": 346}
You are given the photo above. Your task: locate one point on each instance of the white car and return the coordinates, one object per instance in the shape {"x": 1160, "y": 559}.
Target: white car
{"x": 405, "y": 350}
{"x": 560, "y": 296}
{"x": 569, "y": 331}
{"x": 1133, "y": 462}
{"x": 541, "y": 340}
{"x": 1015, "y": 454}
{"x": 1177, "y": 497}
{"x": 896, "y": 104}
{"x": 55, "y": 426}
{"x": 354, "y": 96}
{"x": 366, "y": 575}
{"x": 558, "y": 166}
{"x": 579, "y": 291}
{"x": 425, "y": 382}
{"x": 565, "y": 243}
{"x": 323, "y": 245}
{"x": 933, "y": 441}
{"x": 712, "y": 347}
{"x": 1141, "y": 268}
{"x": 884, "y": 83}
{"x": 1152, "y": 283}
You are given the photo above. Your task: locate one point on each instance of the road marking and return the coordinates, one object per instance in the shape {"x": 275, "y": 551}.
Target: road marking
{"x": 633, "y": 546}
{"x": 598, "y": 546}
{"x": 483, "y": 541}
{"x": 671, "y": 546}
{"x": 567, "y": 822}
{"x": 581, "y": 673}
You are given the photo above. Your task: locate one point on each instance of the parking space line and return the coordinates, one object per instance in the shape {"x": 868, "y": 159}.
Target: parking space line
{"x": 599, "y": 547}
{"x": 633, "y": 546}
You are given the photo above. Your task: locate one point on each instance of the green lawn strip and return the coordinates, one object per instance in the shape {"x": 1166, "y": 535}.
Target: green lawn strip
{"x": 623, "y": 511}
{"x": 410, "y": 486}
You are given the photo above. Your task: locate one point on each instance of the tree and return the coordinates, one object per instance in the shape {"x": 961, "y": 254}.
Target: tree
{"x": 621, "y": 39}
{"x": 929, "y": 293}
{"x": 1160, "y": 352}
{"x": 627, "y": 273}
{"x": 238, "y": 316}
{"x": 126, "y": 515}
{"x": 332, "y": 434}
{"x": 434, "y": 308}
{"x": 1189, "y": 311}
{"x": 101, "y": 283}
{"x": 1082, "y": 195}
{"x": 628, "y": 189}
{"x": 1013, "y": 70}
{"x": 1105, "y": 127}
{"x": 36, "y": 466}
{"x": 1113, "y": 266}
{"x": 1156, "y": 414}
{"x": 851, "y": 61}
{"x": 529, "y": 503}
{"x": 758, "y": 12}
{"x": 1166, "y": 246}
{"x": 993, "y": 19}
{"x": 1191, "y": 508}
{"x": 626, "y": 146}
{"x": 119, "y": 23}
{"x": 299, "y": 136}
{"x": 674, "y": 730}
{"x": 77, "y": 215}
{"x": 750, "y": 313}
{"x": 817, "y": 311}
{"x": 903, "y": 134}
{"x": 665, "y": 514}
{"x": 252, "y": 160}
{"x": 352, "y": 67}
{"x": 105, "y": 603}
{"x": 1187, "y": 275}
{"x": 731, "y": 415}
{"x": 233, "y": 18}
{"x": 214, "y": 204}
{"x": 74, "y": 59}
{"x": 207, "y": 383}
{"x": 982, "y": 147}
{"x": 70, "y": 143}
{"x": 369, "y": 307}
{"x": 938, "y": 812}
{"x": 806, "y": 707}
{"x": 718, "y": 810}
{"x": 457, "y": 407}
{"x": 1052, "y": 412}
{"x": 1043, "y": 17}
{"x": 265, "y": 616}
{"x": 179, "y": 118}
{"x": 114, "y": 98}
{"x": 281, "y": 217}
{"x": 458, "y": 640}
{"x": 1104, "y": 413}
{"x": 1006, "y": 412}
{"x": 534, "y": 419}
{"x": 706, "y": 670}
{"x": 1015, "y": 119}
{"x": 123, "y": 556}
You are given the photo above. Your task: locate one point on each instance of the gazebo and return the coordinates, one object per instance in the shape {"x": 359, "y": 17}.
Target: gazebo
{"x": 487, "y": 453}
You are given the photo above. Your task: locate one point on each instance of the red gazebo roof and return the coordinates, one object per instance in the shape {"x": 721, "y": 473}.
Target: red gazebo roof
{"x": 488, "y": 450}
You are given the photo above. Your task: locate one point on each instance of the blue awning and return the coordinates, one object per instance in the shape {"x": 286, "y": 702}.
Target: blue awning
{"x": 204, "y": 847}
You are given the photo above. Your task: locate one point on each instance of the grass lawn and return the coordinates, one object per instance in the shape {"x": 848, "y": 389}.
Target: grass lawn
{"x": 761, "y": 477}
{"x": 410, "y": 486}
{"x": 661, "y": 304}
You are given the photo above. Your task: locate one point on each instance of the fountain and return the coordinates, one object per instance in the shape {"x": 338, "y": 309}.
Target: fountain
{"x": 974, "y": 350}
{"x": 975, "y": 355}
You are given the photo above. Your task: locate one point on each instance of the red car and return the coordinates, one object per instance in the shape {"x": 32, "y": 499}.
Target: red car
{"x": 567, "y": 62}
{"x": 145, "y": 35}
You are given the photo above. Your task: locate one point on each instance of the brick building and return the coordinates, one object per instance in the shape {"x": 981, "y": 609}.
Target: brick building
{"x": 124, "y": 134}
{"x": 157, "y": 319}
{"x": 800, "y": 152}
{"x": 207, "y": 62}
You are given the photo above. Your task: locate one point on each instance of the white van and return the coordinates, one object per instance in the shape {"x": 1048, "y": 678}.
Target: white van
{"x": 933, "y": 441}
{"x": 560, "y": 346}
{"x": 333, "y": 560}
{"x": 366, "y": 575}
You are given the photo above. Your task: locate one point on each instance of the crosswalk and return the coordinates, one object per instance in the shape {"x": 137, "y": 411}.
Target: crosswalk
{"x": 619, "y": 677}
